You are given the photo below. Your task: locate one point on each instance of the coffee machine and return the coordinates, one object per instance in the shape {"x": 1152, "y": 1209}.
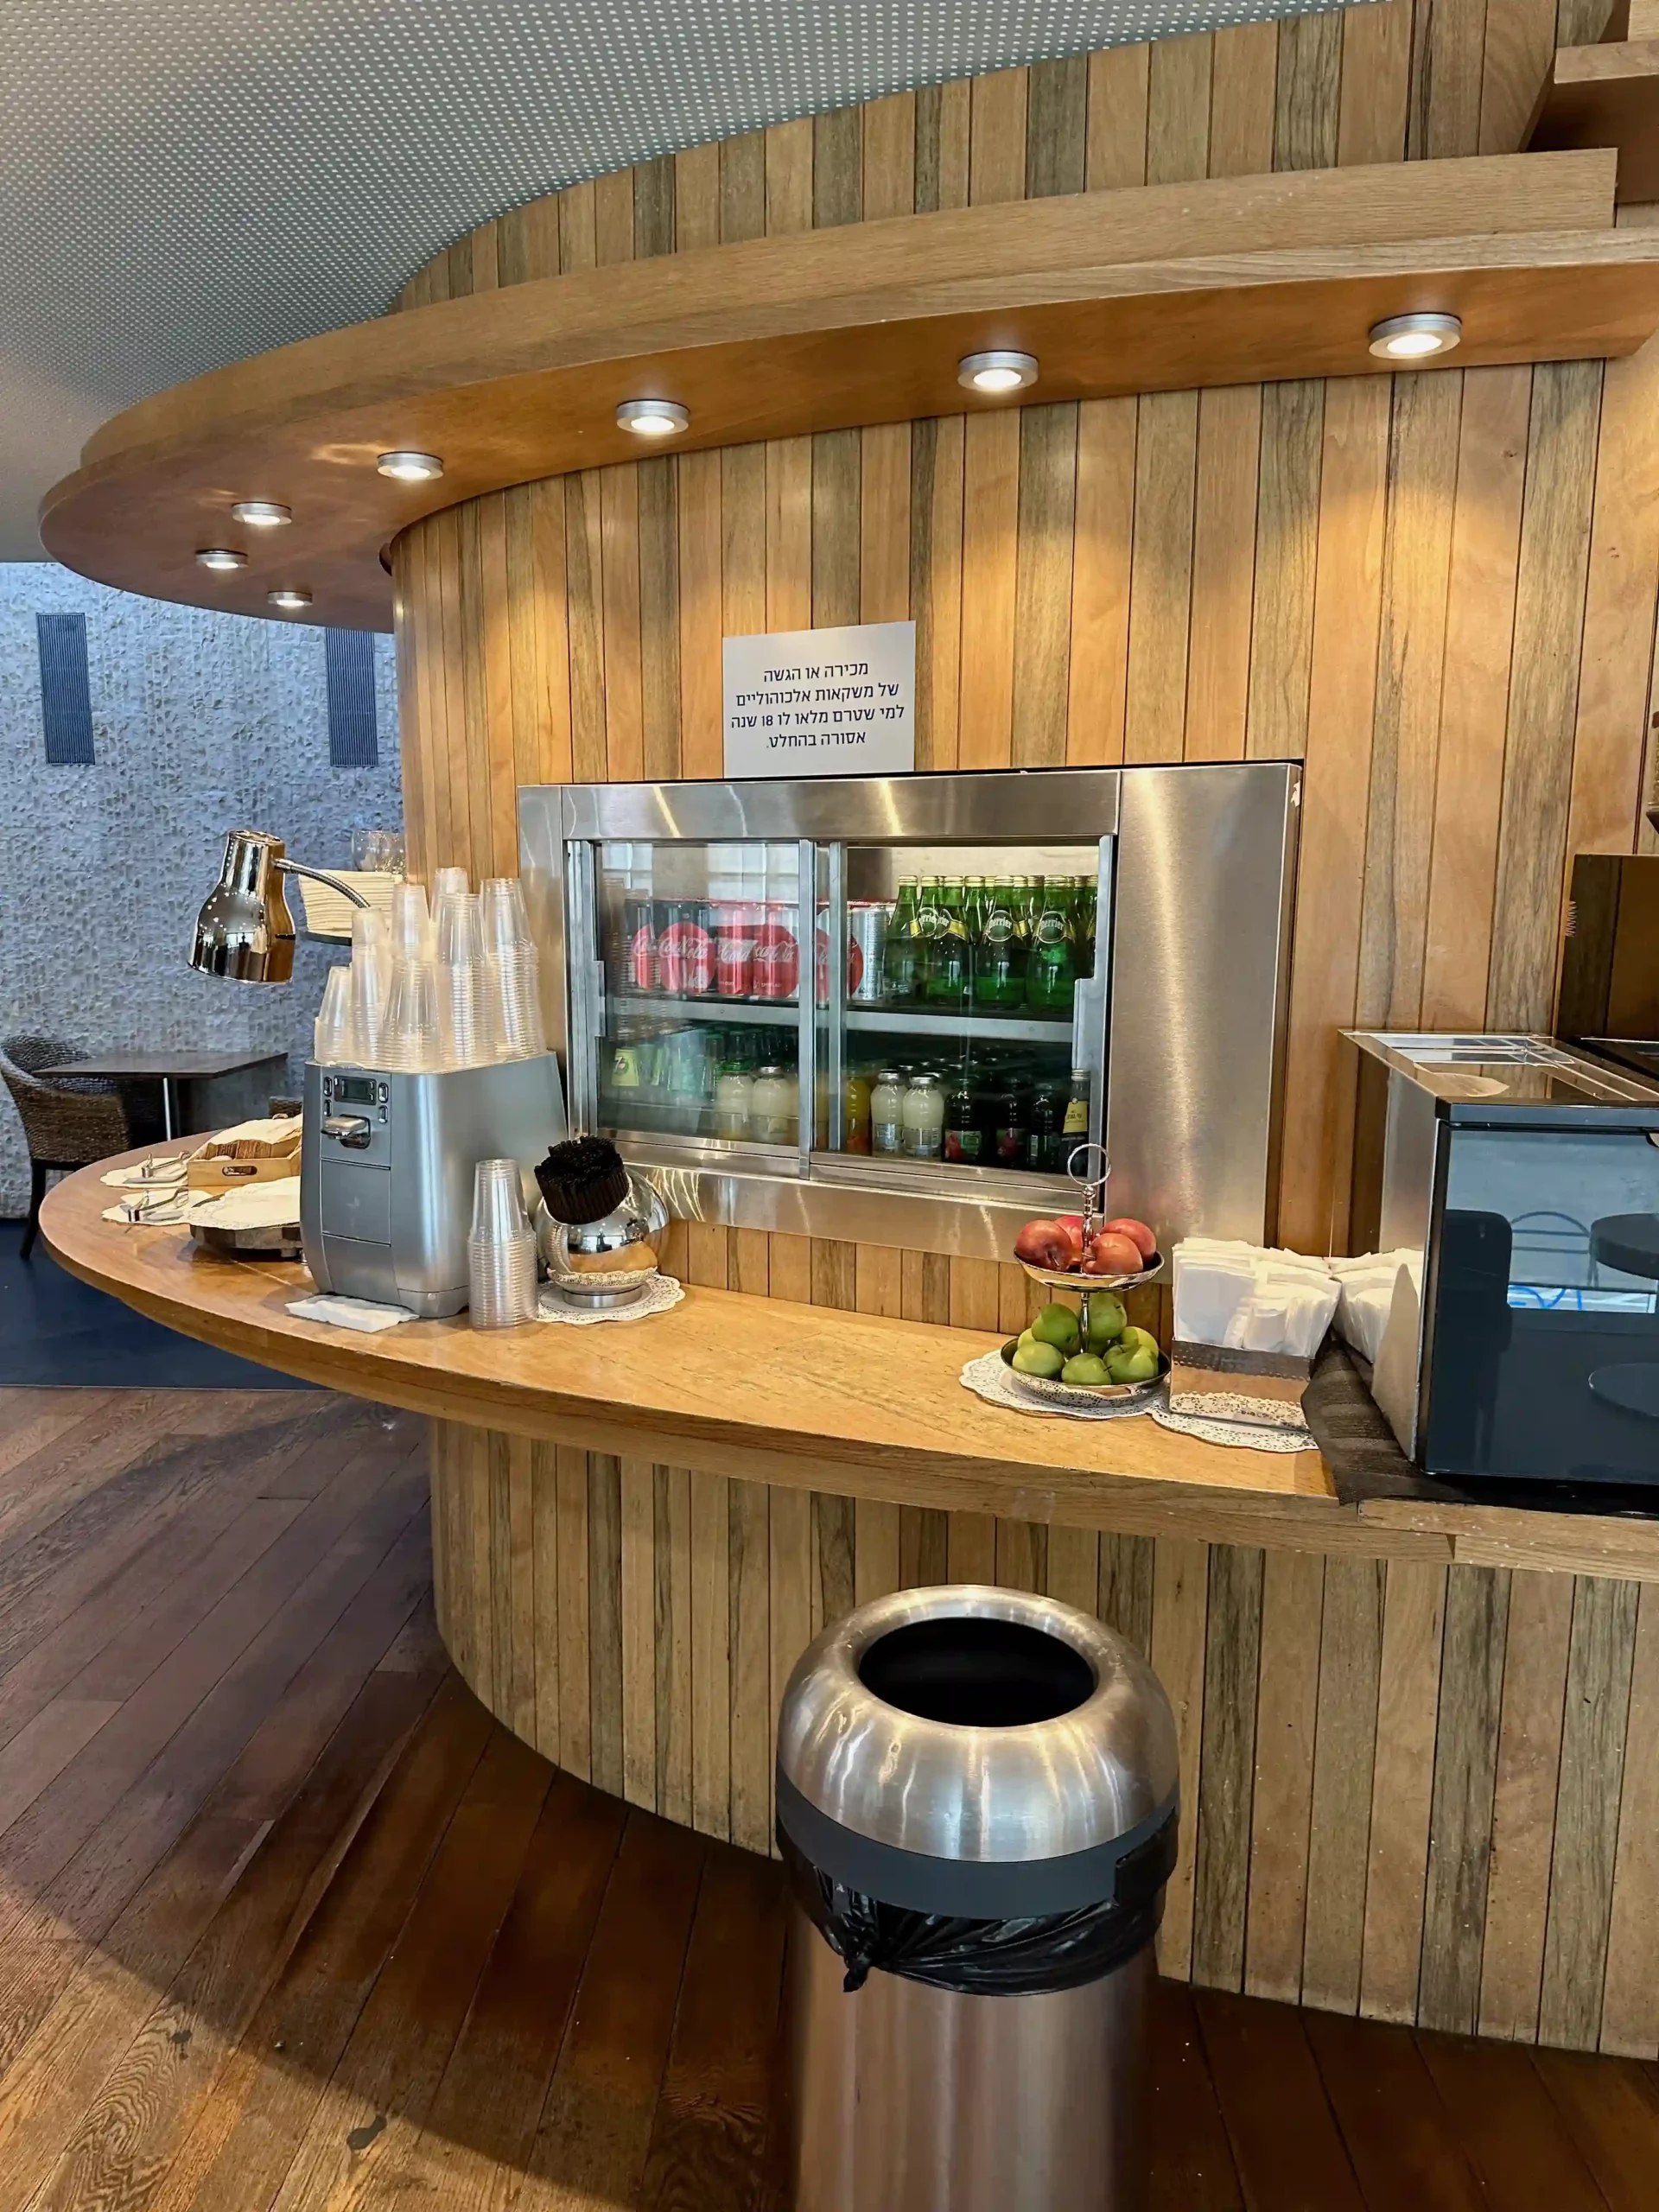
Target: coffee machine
{"x": 387, "y": 1167}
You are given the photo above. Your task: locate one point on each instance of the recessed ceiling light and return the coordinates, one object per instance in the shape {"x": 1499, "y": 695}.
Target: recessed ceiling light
{"x": 997, "y": 372}
{"x": 220, "y": 556}
{"x": 262, "y": 514}
{"x": 410, "y": 467}
{"x": 289, "y": 600}
{"x": 1413, "y": 337}
{"x": 653, "y": 418}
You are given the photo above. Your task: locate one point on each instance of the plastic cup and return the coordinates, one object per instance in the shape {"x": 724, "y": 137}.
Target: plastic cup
{"x": 411, "y": 926}
{"x": 501, "y": 1281}
{"x": 331, "y": 1038}
{"x": 466, "y": 1031}
{"x": 505, "y": 922}
{"x": 499, "y": 1200}
{"x": 450, "y": 879}
{"x": 513, "y": 986}
{"x": 460, "y": 927}
{"x": 371, "y": 988}
{"x": 412, "y": 1043}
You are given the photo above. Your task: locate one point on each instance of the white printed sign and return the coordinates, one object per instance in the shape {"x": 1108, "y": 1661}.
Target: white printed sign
{"x": 821, "y": 703}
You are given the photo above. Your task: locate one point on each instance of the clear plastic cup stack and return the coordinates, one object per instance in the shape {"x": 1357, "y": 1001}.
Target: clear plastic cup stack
{"x": 370, "y": 986}
{"x": 332, "y": 1038}
{"x": 512, "y": 968}
{"x": 412, "y": 1043}
{"x": 501, "y": 1249}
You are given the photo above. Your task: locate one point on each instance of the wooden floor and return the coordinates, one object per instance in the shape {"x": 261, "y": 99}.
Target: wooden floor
{"x": 286, "y": 1921}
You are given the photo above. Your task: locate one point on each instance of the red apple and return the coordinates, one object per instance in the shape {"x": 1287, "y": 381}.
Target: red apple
{"x": 1110, "y": 1254}
{"x": 1070, "y": 1226}
{"x": 1045, "y": 1244}
{"x": 1137, "y": 1232}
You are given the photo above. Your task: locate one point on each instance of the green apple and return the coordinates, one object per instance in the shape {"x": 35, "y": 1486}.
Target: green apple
{"x": 1106, "y": 1318}
{"x": 1039, "y": 1359}
{"x": 1137, "y": 1365}
{"x": 1084, "y": 1367}
{"x": 1134, "y": 1339}
{"x": 1058, "y": 1326}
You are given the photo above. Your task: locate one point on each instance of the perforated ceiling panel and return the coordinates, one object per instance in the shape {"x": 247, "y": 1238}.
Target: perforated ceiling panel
{"x": 186, "y": 182}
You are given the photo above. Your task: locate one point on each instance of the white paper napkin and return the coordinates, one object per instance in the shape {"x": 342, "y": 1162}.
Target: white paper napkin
{"x": 360, "y": 1313}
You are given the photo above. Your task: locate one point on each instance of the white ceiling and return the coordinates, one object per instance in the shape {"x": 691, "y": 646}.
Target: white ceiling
{"x": 183, "y": 182}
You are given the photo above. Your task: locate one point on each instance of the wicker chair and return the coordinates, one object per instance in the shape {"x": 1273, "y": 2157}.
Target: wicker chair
{"x": 67, "y": 1122}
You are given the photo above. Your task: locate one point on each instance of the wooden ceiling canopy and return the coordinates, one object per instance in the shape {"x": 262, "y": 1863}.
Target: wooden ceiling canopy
{"x": 1233, "y": 281}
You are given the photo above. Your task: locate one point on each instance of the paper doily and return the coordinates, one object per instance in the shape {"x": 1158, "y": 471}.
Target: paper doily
{"x": 1251, "y": 1437}
{"x": 661, "y": 1292}
{"x": 987, "y": 1377}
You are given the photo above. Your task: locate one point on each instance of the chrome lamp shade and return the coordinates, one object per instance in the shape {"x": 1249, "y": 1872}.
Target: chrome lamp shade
{"x": 244, "y": 930}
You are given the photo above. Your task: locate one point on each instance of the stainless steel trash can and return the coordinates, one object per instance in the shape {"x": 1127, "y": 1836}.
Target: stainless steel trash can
{"x": 977, "y": 1799}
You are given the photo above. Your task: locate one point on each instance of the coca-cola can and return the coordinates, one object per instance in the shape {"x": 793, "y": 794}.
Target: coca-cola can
{"x": 685, "y": 953}
{"x": 638, "y": 944}
{"x": 733, "y": 933}
{"x": 866, "y": 938}
{"x": 776, "y": 965}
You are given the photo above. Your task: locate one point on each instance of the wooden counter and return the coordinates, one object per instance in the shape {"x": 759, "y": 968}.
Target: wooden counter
{"x": 1418, "y": 1785}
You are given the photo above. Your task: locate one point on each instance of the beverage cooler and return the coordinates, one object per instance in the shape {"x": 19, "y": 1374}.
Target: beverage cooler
{"x": 890, "y": 1009}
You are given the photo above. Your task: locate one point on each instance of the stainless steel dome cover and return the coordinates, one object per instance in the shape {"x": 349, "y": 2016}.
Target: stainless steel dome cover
{"x": 992, "y": 1795}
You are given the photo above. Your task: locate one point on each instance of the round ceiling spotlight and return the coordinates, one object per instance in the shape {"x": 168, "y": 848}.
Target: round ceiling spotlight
{"x": 410, "y": 467}
{"x": 653, "y": 418}
{"x": 220, "y": 558}
{"x": 1413, "y": 337}
{"x": 997, "y": 372}
{"x": 262, "y": 514}
{"x": 290, "y": 601}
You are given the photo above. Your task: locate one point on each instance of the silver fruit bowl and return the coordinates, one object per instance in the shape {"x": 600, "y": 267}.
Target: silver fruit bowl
{"x": 1051, "y": 1391}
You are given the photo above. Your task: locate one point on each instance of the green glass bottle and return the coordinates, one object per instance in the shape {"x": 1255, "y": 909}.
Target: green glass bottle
{"x": 1052, "y": 972}
{"x": 949, "y": 983}
{"x": 902, "y": 953}
{"x": 1000, "y": 959}
{"x": 1083, "y": 923}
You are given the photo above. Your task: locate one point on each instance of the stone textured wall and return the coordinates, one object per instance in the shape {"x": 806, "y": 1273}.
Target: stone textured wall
{"x": 202, "y": 722}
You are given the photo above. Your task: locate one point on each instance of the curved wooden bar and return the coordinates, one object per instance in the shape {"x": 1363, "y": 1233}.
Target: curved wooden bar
{"x": 636, "y": 1531}
{"x": 1237, "y": 280}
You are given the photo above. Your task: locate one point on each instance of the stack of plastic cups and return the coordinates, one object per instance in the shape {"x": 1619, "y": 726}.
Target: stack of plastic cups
{"x": 512, "y": 969}
{"x": 410, "y": 1042}
{"x": 463, "y": 1009}
{"x": 371, "y": 973}
{"x": 332, "y": 1040}
{"x": 501, "y": 1249}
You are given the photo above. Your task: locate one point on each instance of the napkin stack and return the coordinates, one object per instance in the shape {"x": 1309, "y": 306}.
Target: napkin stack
{"x": 1250, "y": 1298}
{"x": 1369, "y": 1286}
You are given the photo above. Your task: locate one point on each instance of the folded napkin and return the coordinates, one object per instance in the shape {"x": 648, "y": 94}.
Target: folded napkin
{"x": 249, "y": 1206}
{"x": 1250, "y": 1297}
{"x": 1367, "y": 1295}
{"x": 360, "y": 1313}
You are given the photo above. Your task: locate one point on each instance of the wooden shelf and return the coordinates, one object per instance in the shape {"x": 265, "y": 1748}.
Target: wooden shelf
{"x": 1233, "y": 281}
{"x": 1606, "y": 96}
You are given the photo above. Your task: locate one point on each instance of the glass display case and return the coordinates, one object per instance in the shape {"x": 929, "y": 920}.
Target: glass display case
{"x": 888, "y": 1009}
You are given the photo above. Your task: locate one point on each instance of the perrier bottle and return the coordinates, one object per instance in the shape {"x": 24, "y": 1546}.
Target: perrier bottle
{"x": 902, "y": 952}
{"x": 948, "y": 979}
{"x": 1000, "y": 957}
{"x": 1052, "y": 972}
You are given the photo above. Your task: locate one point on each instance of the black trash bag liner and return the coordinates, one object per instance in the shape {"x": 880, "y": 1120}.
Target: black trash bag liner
{"x": 988, "y": 1958}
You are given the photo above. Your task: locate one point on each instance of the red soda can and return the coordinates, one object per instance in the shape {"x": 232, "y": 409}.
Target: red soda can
{"x": 776, "y": 953}
{"x": 733, "y": 933}
{"x": 638, "y": 944}
{"x": 685, "y": 953}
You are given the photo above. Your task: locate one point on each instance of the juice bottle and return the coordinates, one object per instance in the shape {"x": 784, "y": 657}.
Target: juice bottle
{"x": 887, "y": 1112}
{"x": 857, "y": 1113}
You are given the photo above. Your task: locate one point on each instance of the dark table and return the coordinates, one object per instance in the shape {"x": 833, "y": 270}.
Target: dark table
{"x": 169, "y": 1070}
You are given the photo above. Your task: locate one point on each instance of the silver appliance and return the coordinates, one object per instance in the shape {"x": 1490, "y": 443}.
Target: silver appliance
{"x": 1170, "y": 1047}
{"x": 1518, "y": 1182}
{"x": 386, "y": 1165}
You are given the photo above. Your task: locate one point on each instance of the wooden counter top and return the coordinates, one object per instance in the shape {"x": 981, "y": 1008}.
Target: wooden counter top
{"x": 804, "y": 1397}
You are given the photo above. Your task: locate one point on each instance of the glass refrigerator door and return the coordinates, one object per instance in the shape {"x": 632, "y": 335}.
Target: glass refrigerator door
{"x": 692, "y": 1023}
{"x": 967, "y": 1028}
